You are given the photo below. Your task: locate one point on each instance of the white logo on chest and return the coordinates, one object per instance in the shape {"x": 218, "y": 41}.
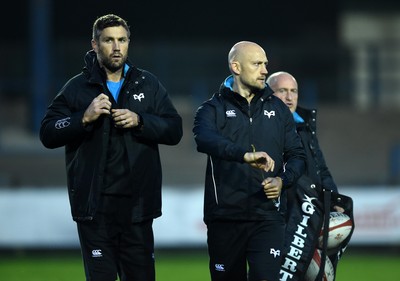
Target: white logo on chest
{"x": 269, "y": 113}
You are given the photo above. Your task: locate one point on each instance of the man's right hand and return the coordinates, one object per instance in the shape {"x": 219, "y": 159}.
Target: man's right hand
{"x": 100, "y": 105}
{"x": 260, "y": 160}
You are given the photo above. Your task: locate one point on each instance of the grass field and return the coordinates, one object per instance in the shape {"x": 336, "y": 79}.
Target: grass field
{"x": 182, "y": 266}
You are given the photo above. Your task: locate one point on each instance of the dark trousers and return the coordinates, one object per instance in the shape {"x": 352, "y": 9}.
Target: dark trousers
{"x": 236, "y": 246}
{"x": 112, "y": 245}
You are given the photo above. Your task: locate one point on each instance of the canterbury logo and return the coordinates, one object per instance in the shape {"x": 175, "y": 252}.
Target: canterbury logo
{"x": 62, "y": 123}
{"x": 97, "y": 253}
{"x": 138, "y": 97}
{"x": 230, "y": 113}
{"x": 274, "y": 252}
{"x": 219, "y": 267}
{"x": 269, "y": 113}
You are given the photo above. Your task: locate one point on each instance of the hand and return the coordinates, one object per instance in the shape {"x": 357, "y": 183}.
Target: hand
{"x": 124, "y": 118}
{"x": 260, "y": 160}
{"x": 272, "y": 187}
{"x": 100, "y": 105}
{"x": 338, "y": 209}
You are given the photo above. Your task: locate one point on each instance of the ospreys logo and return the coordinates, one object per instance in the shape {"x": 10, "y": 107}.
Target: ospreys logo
{"x": 269, "y": 113}
{"x": 138, "y": 97}
{"x": 274, "y": 252}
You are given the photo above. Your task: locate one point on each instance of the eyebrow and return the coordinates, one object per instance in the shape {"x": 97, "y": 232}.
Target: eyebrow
{"x": 288, "y": 89}
{"x": 118, "y": 38}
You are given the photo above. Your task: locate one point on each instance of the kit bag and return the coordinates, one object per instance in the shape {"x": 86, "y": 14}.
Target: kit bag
{"x": 309, "y": 209}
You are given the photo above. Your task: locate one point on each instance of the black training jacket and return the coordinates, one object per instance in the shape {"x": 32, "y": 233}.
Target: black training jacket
{"x": 225, "y": 128}
{"x": 316, "y": 167}
{"x": 86, "y": 147}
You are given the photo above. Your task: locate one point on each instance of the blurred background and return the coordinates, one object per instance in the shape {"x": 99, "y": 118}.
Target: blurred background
{"x": 344, "y": 54}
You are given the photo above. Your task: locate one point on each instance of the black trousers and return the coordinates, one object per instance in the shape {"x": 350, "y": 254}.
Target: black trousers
{"x": 235, "y": 246}
{"x": 113, "y": 246}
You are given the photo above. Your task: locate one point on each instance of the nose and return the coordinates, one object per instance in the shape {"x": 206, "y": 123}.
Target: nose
{"x": 264, "y": 70}
{"x": 116, "y": 45}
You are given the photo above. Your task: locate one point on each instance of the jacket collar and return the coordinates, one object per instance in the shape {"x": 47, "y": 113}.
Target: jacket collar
{"x": 297, "y": 118}
{"x": 226, "y": 87}
{"x": 95, "y": 73}
{"x": 309, "y": 116}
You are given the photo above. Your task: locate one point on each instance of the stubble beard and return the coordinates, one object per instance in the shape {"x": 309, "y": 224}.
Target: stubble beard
{"x": 255, "y": 87}
{"x": 113, "y": 66}
{"x": 111, "y": 63}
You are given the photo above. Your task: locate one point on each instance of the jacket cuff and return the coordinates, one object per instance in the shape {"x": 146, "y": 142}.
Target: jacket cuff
{"x": 284, "y": 181}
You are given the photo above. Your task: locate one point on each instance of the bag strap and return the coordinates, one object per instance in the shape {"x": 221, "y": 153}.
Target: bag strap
{"x": 327, "y": 210}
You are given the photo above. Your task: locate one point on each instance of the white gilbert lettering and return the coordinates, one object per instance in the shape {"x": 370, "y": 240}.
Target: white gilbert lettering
{"x": 285, "y": 275}
{"x": 289, "y": 267}
{"x": 295, "y": 253}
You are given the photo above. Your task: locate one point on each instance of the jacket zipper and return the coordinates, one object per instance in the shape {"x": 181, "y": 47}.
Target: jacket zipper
{"x": 250, "y": 141}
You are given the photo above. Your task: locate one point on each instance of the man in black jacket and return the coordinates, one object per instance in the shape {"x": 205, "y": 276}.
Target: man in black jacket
{"x": 315, "y": 184}
{"x": 285, "y": 88}
{"x": 253, "y": 152}
{"x": 111, "y": 118}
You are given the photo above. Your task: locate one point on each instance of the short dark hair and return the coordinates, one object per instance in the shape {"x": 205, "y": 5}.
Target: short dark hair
{"x": 105, "y": 21}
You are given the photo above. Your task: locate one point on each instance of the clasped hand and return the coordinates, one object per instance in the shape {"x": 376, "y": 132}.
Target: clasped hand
{"x": 123, "y": 118}
{"x": 260, "y": 160}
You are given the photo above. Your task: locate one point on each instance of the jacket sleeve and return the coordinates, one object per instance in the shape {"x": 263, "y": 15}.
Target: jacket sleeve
{"x": 61, "y": 126}
{"x": 162, "y": 125}
{"x": 208, "y": 138}
{"x": 294, "y": 154}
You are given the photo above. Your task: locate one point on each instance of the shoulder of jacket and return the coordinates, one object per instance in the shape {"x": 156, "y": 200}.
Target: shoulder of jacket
{"x": 142, "y": 73}
{"x": 279, "y": 105}
{"x": 143, "y": 77}
{"x": 75, "y": 82}
{"x": 303, "y": 111}
{"x": 309, "y": 116}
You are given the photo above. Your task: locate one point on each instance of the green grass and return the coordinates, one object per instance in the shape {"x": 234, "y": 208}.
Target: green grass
{"x": 182, "y": 266}
{"x": 67, "y": 267}
{"x": 370, "y": 267}
{"x": 41, "y": 268}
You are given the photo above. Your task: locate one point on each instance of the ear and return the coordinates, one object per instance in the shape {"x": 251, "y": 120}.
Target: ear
{"x": 235, "y": 67}
{"x": 94, "y": 45}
